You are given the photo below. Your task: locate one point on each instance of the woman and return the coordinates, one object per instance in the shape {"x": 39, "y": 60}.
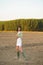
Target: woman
{"x": 19, "y": 42}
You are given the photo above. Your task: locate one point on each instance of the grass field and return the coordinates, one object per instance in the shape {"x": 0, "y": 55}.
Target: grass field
{"x": 32, "y": 46}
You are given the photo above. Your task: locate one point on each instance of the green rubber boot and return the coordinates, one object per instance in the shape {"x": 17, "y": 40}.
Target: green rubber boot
{"x": 18, "y": 54}
{"x": 23, "y": 54}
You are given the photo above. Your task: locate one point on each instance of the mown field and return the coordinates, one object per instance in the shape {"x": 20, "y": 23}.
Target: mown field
{"x": 32, "y": 46}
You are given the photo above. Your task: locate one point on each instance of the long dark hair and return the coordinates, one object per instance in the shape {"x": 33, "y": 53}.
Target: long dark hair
{"x": 19, "y": 27}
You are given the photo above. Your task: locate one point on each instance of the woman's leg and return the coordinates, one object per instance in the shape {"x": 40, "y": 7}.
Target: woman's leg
{"x": 21, "y": 50}
{"x": 17, "y": 49}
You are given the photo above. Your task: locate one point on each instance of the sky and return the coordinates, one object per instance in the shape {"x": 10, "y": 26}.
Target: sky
{"x": 20, "y": 9}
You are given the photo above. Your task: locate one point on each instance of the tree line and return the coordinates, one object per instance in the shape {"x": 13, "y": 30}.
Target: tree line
{"x": 26, "y": 24}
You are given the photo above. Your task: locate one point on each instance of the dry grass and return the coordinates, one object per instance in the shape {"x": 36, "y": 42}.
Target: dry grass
{"x": 32, "y": 45}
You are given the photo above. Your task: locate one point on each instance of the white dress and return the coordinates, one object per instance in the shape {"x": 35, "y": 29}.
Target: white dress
{"x": 19, "y": 39}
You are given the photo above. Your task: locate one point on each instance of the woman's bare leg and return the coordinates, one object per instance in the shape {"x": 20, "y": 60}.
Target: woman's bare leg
{"x": 21, "y": 49}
